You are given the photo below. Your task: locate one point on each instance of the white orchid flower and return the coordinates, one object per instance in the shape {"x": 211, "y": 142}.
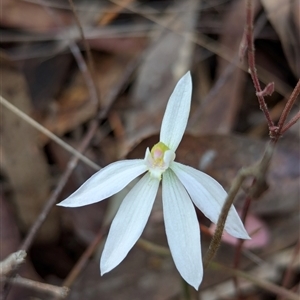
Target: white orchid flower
{"x": 181, "y": 187}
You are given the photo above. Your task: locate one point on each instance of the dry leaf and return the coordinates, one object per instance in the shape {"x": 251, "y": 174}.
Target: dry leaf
{"x": 284, "y": 17}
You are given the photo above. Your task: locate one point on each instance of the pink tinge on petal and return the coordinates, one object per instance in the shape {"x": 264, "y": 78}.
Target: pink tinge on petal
{"x": 257, "y": 230}
{"x": 158, "y": 154}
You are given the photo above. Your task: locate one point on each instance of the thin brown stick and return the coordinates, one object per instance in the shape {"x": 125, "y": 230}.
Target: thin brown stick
{"x": 47, "y": 132}
{"x": 274, "y": 131}
{"x": 282, "y": 128}
{"x": 252, "y": 65}
{"x": 85, "y": 43}
{"x": 57, "y": 291}
{"x": 293, "y": 121}
{"x": 81, "y": 263}
{"x": 288, "y": 107}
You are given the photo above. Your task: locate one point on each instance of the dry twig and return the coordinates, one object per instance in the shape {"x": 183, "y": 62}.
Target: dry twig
{"x": 12, "y": 262}
{"x": 57, "y": 291}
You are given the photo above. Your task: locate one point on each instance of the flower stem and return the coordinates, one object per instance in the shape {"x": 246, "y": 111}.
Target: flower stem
{"x": 258, "y": 171}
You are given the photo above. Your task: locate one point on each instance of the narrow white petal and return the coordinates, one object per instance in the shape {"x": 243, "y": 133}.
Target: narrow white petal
{"x": 129, "y": 222}
{"x": 105, "y": 183}
{"x": 209, "y": 196}
{"x": 177, "y": 113}
{"x": 182, "y": 229}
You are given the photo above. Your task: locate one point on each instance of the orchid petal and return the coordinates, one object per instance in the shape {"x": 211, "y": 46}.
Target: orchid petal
{"x": 129, "y": 222}
{"x": 177, "y": 113}
{"x": 182, "y": 229}
{"x": 105, "y": 183}
{"x": 209, "y": 196}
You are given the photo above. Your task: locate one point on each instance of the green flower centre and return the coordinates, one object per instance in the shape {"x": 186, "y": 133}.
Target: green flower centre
{"x": 157, "y": 153}
{"x": 159, "y": 159}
